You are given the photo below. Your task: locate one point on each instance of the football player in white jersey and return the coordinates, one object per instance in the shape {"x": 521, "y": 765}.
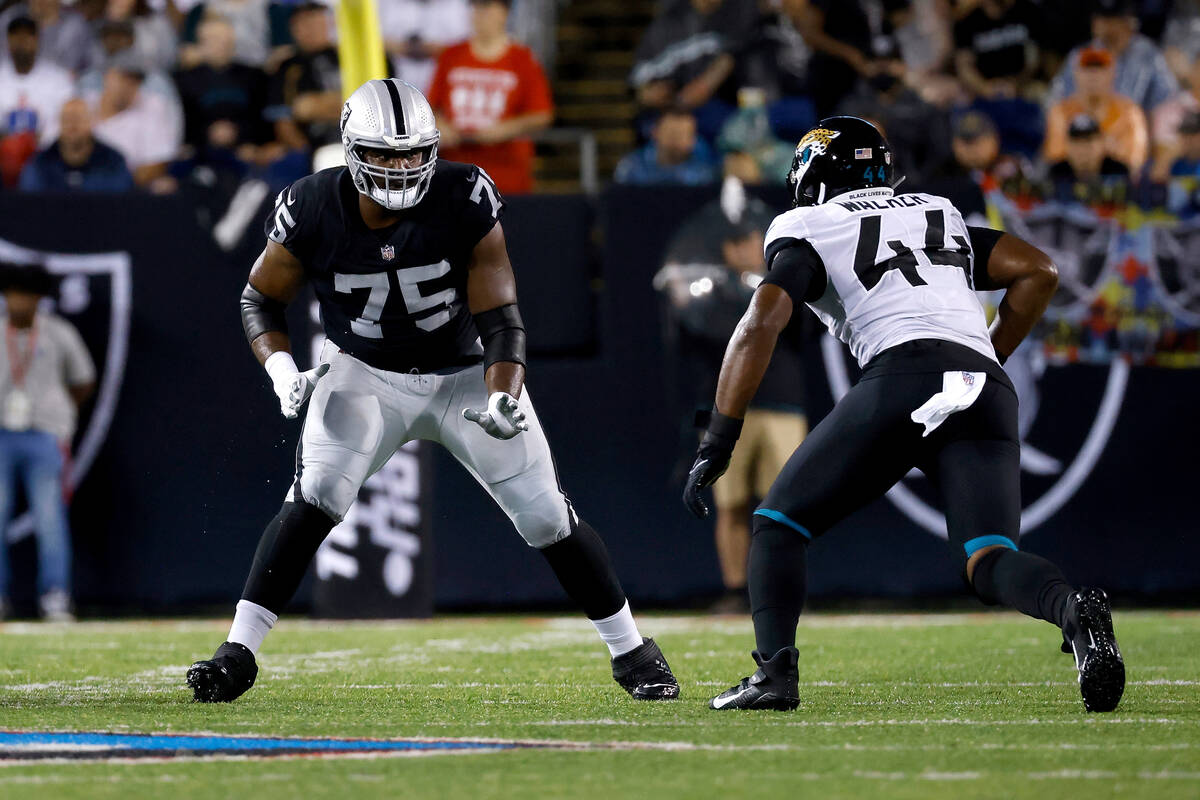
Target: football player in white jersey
{"x": 894, "y": 277}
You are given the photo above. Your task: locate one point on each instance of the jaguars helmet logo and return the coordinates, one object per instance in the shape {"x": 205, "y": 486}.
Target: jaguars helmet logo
{"x": 816, "y": 142}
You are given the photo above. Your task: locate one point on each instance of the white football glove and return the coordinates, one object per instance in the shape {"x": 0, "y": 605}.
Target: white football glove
{"x": 502, "y": 418}
{"x": 292, "y": 387}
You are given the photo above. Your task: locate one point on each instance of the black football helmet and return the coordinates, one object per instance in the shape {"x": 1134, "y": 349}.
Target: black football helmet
{"x": 840, "y": 155}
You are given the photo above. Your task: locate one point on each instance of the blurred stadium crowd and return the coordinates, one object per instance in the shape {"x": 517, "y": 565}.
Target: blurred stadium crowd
{"x": 109, "y": 95}
{"x": 1042, "y": 97}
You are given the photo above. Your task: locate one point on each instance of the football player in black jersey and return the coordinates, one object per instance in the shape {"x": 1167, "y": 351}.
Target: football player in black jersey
{"x": 407, "y": 257}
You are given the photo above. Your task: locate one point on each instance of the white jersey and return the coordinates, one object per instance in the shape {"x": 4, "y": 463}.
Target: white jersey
{"x": 898, "y": 268}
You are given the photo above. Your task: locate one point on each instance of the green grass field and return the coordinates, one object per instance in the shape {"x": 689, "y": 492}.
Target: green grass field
{"x": 897, "y": 706}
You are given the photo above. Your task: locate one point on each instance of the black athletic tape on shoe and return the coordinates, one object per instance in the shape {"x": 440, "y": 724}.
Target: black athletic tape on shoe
{"x": 503, "y": 335}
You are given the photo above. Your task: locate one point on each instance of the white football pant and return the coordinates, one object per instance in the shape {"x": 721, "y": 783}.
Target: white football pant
{"x": 358, "y": 416}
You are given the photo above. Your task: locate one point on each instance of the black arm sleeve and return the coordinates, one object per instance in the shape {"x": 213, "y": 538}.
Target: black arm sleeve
{"x": 261, "y": 314}
{"x": 503, "y": 335}
{"x": 795, "y": 266}
{"x": 982, "y": 242}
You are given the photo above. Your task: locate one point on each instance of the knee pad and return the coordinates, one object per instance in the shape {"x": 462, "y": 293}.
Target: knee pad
{"x": 545, "y": 519}
{"x": 541, "y": 528}
{"x": 759, "y": 523}
{"x": 329, "y": 490}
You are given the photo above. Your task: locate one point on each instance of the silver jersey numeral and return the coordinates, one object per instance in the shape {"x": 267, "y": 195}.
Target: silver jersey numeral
{"x": 367, "y": 324}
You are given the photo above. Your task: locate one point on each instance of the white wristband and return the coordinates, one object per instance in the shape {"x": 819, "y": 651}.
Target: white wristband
{"x": 280, "y": 366}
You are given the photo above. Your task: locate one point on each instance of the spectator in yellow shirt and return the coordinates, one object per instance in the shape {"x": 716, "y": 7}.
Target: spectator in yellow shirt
{"x": 1122, "y": 122}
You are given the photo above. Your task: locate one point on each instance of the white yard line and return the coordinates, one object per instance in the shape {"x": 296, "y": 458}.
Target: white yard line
{"x": 257, "y": 776}
{"x": 869, "y": 723}
{"x": 167, "y": 679}
{"x": 700, "y": 624}
{"x": 585, "y": 747}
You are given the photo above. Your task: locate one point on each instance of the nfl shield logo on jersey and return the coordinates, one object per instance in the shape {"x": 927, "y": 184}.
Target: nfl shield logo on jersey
{"x": 388, "y": 252}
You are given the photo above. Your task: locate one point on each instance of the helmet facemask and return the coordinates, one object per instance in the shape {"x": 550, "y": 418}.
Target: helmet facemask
{"x": 394, "y": 188}
{"x": 385, "y": 122}
{"x": 803, "y": 194}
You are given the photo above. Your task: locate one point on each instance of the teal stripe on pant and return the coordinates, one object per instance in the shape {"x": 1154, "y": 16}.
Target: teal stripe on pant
{"x": 783, "y": 519}
{"x": 973, "y": 546}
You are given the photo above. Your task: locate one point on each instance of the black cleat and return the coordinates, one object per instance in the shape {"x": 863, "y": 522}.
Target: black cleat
{"x": 1089, "y": 631}
{"x": 645, "y": 674}
{"x": 224, "y": 678}
{"x": 774, "y": 687}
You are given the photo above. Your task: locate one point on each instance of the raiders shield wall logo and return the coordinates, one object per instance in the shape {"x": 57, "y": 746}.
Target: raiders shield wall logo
{"x": 96, "y": 296}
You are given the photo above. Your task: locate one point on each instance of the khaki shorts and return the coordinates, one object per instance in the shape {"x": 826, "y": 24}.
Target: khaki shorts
{"x": 767, "y": 441}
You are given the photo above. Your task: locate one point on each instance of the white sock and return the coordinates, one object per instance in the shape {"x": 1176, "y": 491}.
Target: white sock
{"x": 619, "y": 631}
{"x": 251, "y": 624}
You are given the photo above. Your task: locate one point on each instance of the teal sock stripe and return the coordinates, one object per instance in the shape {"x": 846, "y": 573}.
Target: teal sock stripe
{"x": 783, "y": 519}
{"x": 973, "y": 546}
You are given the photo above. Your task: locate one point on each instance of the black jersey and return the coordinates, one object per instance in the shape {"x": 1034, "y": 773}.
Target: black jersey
{"x": 396, "y": 297}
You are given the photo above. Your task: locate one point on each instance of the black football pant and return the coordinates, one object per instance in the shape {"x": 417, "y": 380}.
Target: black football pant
{"x": 868, "y": 443}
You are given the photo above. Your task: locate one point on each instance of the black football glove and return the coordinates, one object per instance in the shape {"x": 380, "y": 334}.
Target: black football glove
{"x": 712, "y": 458}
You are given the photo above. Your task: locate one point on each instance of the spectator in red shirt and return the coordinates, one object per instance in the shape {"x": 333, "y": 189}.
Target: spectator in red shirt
{"x": 489, "y": 94}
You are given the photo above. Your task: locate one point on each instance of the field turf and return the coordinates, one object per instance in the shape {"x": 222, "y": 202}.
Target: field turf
{"x": 896, "y": 705}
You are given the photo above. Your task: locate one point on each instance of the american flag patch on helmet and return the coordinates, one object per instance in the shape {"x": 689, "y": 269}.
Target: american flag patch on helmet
{"x": 862, "y": 152}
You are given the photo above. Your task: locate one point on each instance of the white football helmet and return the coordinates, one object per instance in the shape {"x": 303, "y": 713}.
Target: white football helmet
{"x": 390, "y": 115}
